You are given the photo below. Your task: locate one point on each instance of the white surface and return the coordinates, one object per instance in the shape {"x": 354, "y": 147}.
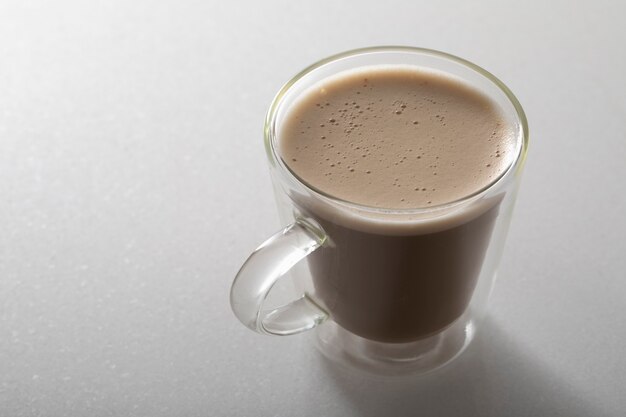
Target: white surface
{"x": 133, "y": 183}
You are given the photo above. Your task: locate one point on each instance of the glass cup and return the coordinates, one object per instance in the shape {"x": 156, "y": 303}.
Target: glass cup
{"x": 387, "y": 290}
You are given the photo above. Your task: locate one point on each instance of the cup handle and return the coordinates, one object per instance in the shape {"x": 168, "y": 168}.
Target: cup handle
{"x": 263, "y": 268}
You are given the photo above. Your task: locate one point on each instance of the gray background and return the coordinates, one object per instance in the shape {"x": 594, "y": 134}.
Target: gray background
{"x": 133, "y": 184}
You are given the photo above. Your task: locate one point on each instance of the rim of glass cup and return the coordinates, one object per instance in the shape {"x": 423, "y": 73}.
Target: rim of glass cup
{"x": 276, "y": 160}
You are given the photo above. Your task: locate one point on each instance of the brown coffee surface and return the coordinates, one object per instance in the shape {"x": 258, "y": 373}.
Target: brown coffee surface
{"x": 396, "y": 138}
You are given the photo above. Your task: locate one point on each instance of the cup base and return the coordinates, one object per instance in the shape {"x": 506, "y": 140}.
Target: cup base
{"x": 421, "y": 356}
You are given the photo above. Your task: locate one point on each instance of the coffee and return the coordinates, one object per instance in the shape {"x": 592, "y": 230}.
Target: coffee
{"x": 395, "y": 139}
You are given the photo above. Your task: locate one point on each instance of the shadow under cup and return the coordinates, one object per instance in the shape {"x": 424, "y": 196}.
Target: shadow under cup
{"x": 402, "y": 289}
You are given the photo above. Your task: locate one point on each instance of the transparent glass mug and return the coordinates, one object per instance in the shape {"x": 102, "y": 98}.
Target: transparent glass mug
{"x": 386, "y": 289}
